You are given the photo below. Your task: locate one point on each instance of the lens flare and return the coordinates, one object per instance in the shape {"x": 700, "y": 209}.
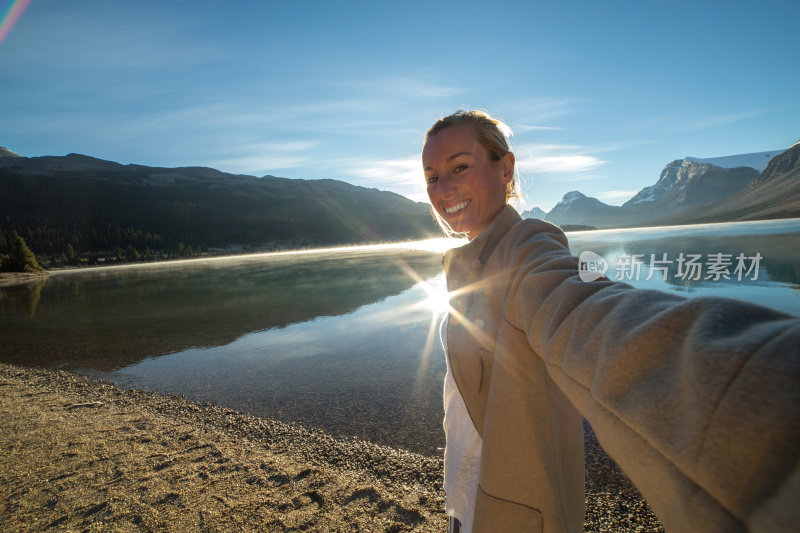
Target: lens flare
{"x": 10, "y": 12}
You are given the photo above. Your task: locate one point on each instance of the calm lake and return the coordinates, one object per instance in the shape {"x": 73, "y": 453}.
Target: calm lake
{"x": 344, "y": 340}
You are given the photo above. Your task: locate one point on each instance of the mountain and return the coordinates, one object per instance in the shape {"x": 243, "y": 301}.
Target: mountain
{"x": 756, "y": 160}
{"x": 5, "y": 152}
{"x": 685, "y": 183}
{"x": 534, "y": 213}
{"x": 90, "y": 205}
{"x": 692, "y": 190}
{"x": 575, "y": 208}
{"x": 775, "y": 193}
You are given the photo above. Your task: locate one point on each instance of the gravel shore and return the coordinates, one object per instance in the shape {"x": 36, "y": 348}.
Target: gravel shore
{"x": 82, "y": 454}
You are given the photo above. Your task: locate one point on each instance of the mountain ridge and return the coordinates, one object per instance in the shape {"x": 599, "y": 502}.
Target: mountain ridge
{"x": 78, "y": 204}
{"x": 756, "y": 160}
{"x": 694, "y": 190}
{"x": 775, "y": 192}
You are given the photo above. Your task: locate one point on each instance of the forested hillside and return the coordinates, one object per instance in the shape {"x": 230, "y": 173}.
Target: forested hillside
{"x": 73, "y": 207}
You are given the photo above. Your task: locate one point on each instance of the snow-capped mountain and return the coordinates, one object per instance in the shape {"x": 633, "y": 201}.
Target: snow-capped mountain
{"x": 774, "y": 194}
{"x": 685, "y": 182}
{"x": 693, "y": 189}
{"x": 535, "y": 212}
{"x": 756, "y": 160}
{"x": 569, "y": 199}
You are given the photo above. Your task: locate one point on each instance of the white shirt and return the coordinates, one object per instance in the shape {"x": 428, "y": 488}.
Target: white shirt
{"x": 462, "y": 454}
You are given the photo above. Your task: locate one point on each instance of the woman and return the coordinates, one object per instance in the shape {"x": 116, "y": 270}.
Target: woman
{"x": 697, "y": 400}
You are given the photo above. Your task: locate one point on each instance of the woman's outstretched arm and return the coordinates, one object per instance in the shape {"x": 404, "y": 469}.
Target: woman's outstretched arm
{"x": 698, "y": 400}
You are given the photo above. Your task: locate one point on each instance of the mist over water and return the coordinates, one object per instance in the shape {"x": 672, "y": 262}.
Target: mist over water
{"x": 344, "y": 340}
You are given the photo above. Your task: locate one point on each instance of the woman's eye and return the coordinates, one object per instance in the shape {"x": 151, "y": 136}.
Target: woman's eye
{"x": 432, "y": 179}
{"x": 459, "y": 168}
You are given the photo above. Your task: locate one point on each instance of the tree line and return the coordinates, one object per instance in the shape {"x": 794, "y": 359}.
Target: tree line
{"x": 57, "y": 248}
{"x": 71, "y": 217}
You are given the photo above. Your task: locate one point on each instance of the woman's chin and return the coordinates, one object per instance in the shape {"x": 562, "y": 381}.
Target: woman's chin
{"x": 459, "y": 226}
{"x": 458, "y": 222}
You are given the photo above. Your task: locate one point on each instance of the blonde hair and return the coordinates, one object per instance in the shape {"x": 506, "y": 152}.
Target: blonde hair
{"x": 492, "y": 134}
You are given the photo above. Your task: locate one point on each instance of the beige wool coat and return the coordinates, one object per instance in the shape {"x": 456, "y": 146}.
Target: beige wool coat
{"x": 698, "y": 400}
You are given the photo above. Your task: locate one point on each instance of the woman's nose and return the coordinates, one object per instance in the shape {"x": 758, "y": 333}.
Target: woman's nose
{"x": 446, "y": 184}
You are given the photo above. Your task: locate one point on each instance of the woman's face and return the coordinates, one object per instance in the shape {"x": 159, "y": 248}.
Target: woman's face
{"x": 465, "y": 186}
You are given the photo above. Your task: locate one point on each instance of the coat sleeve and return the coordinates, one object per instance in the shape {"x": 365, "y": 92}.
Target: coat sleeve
{"x": 698, "y": 400}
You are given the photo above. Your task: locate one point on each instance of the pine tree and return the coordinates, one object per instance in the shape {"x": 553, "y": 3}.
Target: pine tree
{"x": 21, "y": 258}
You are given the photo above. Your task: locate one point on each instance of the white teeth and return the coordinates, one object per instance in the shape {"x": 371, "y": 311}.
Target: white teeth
{"x": 456, "y": 208}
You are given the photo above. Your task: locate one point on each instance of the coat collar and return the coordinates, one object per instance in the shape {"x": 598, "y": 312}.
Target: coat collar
{"x": 462, "y": 265}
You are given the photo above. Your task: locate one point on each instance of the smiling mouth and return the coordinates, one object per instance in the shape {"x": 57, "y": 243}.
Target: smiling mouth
{"x": 456, "y": 208}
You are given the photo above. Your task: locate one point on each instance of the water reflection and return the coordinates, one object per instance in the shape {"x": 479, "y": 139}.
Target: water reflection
{"x": 111, "y": 318}
{"x": 21, "y": 299}
{"x": 774, "y": 282}
{"x": 375, "y": 373}
{"x": 346, "y": 341}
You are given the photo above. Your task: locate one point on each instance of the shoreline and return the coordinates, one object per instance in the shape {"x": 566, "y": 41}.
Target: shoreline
{"x": 8, "y": 279}
{"x": 84, "y": 454}
{"x": 413, "y": 245}
{"x": 17, "y": 278}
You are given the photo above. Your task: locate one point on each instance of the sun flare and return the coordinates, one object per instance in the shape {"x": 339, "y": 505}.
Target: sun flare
{"x": 437, "y": 298}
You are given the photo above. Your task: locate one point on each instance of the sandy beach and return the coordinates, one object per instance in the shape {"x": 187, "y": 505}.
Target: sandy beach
{"x": 84, "y": 455}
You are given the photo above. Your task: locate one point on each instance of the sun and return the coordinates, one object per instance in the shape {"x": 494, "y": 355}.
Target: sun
{"x": 437, "y": 298}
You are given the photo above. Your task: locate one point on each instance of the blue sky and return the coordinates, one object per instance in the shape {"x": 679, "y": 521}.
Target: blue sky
{"x": 600, "y": 95}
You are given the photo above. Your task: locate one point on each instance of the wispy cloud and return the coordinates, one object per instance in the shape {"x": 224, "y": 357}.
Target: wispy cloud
{"x": 264, "y": 157}
{"x": 561, "y": 164}
{"x": 556, "y": 159}
{"x": 411, "y": 86}
{"x": 522, "y": 128}
{"x": 403, "y": 176}
{"x": 616, "y": 197}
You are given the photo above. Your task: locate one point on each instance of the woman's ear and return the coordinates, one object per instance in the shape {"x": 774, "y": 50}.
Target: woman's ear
{"x": 508, "y": 161}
